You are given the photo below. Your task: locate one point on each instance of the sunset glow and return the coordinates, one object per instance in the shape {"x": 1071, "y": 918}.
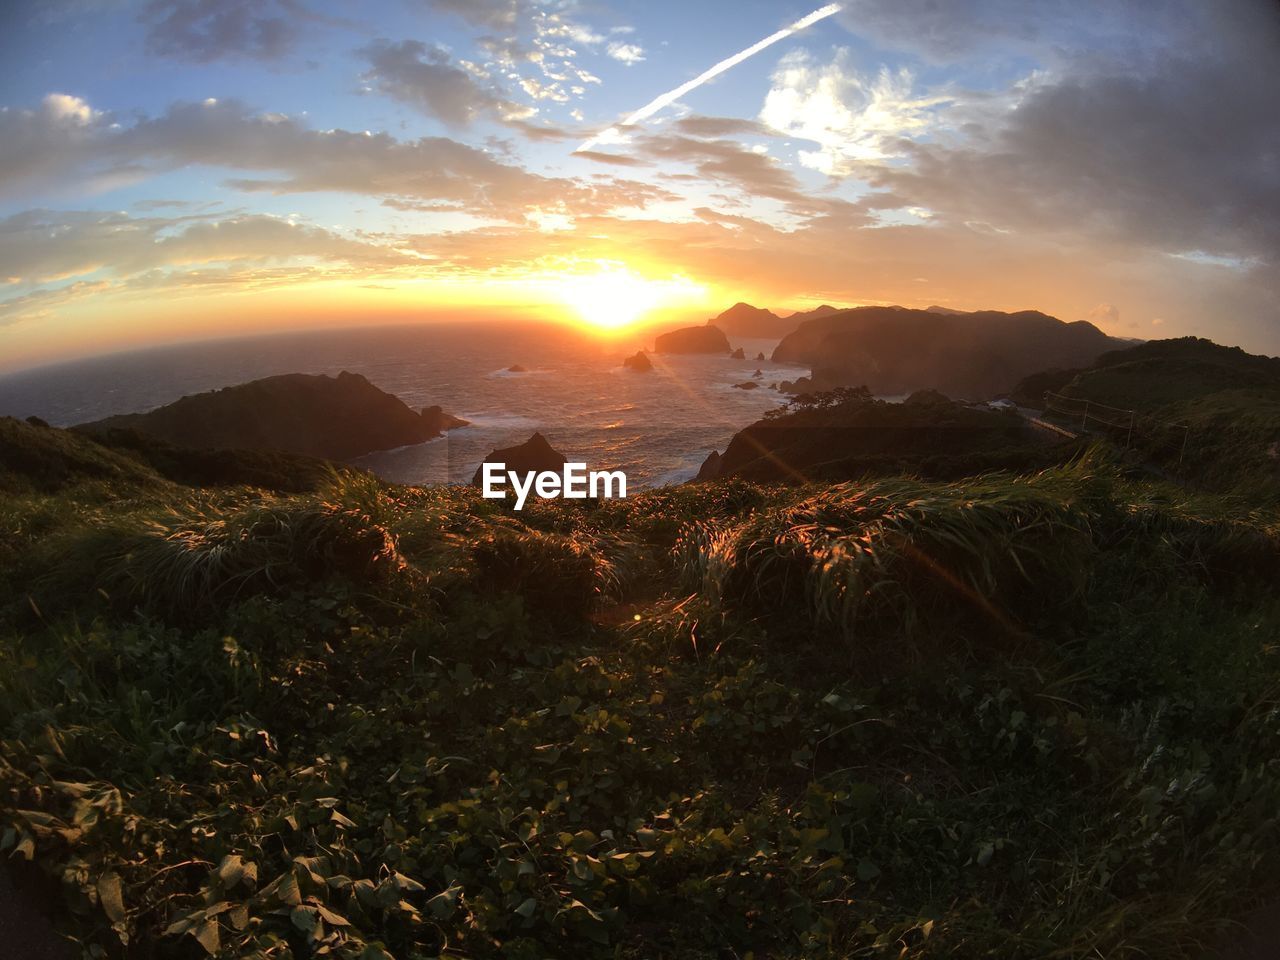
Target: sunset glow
{"x": 258, "y": 167}
{"x": 614, "y": 297}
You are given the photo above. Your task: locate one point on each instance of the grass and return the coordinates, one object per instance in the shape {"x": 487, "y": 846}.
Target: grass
{"x": 1206, "y": 414}
{"x": 1013, "y": 715}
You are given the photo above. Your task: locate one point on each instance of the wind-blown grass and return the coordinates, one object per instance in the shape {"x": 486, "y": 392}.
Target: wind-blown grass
{"x": 1013, "y": 716}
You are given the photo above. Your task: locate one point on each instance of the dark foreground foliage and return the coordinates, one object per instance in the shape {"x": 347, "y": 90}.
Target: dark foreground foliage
{"x": 1013, "y": 716}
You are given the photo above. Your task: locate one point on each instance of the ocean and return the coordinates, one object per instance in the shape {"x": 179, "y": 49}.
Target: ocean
{"x": 657, "y": 427}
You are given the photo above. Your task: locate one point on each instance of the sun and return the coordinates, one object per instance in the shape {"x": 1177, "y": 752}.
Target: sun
{"x": 613, "y": 297}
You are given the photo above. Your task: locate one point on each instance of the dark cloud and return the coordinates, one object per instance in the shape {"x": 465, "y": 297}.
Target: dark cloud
{"x": 428, "y": 80}
{"x": 1186, "y": 158}
{"x": 200, "y": 31}
{"x": 617, "y": 160}
{"x": 490, "y": 14}
{"x": 701, "y": 126}
{"x": 1055, "y": 32}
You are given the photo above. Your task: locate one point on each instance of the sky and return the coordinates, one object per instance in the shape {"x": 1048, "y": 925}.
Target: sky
{"x": 179, "y": 169}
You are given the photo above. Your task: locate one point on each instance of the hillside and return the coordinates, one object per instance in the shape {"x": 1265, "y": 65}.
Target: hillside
{"x": 1013, "y": 715}
{"x": 1228, "y": 400}
{"x": 895, "y": 350}
{"x": 35, "y": 456}
{"x": 846, "y": 434}
{"x": 335, "y": 418}
{"x": 744, "y": 320}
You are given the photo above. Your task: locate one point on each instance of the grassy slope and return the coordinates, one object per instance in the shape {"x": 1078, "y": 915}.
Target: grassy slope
{"x": 1010, "y": 716}
{"x": 841, "y": 434}
{"x": 1230, "y": 400}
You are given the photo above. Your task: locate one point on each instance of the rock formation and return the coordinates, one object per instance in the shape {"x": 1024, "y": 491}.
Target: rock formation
{"x": 440, "y": 421}
{"x": 710, "y": 468}
{"x": 533, "y": 456}
{"x": 738, "y": 354}
{"x": 639, "y": 362}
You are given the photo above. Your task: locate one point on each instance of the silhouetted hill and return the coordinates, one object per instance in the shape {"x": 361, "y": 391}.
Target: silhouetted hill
{"x": 335, "y": 418}
{"x": 36, "y": 456}
{"x": 705, "y": 339}
{"x": 199, "y": 467}
{"x": 894, "y": 350}
{"x": 744, "y": 320}
{"x": 1228, "y": 400}
{"x": 845, "y": 434}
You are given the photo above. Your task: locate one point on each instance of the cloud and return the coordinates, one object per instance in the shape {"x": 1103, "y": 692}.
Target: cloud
{"x": 491, "y": 14}
{"x": 426, "y": 79}
{"x": 627, "y": 53}
{"x": 1148, "y": 123}
{"x": 47, "y": 147}
{"x": 44, "y": 303}
{"x": 1180, "y": 159}
{"x": 1105, "y": 314}
{"x": 200, "y": 31}
{"x": 616, "y": 160}
{"x": 44, "y": 144}
{"x": 42, "y": 246}
{"x": 536, "y": 45}
{"x": 697, "y": 125}
{"x": 58, "y": 257}
{"x": 728, "y": 63}
{"x": 729, "y": 162}
{"x": 851, "y": 116}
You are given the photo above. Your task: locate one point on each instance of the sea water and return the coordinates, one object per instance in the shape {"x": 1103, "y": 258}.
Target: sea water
{"x": 657, "y": 427}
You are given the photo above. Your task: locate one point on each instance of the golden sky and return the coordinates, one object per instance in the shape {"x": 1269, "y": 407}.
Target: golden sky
{"x": 168, "y": 172}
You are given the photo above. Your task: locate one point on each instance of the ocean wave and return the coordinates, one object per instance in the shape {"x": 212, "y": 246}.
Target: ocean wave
{"x": 499, "y": 421}
{"x": 506, "y": 374}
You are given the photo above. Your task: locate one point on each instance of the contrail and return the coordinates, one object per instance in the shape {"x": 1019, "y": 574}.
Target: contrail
{"x": 649, "y": 109}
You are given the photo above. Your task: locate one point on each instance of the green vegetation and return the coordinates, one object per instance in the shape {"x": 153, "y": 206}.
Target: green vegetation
{"x": 1228, "y": 400}
{"x": 1014, "y": 715}
{"x": 839, "y": 434}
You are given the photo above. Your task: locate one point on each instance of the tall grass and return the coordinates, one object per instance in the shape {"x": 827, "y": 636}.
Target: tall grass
{"x": 898, "y": 553}
{"x": 377, "y": 721}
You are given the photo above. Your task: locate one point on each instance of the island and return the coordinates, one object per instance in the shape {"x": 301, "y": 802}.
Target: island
{"x": 705, "y": 339}
{"x": 638, "y": 362}
{"x": 535, "y": 455}
{"x": 316, "y": 415}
